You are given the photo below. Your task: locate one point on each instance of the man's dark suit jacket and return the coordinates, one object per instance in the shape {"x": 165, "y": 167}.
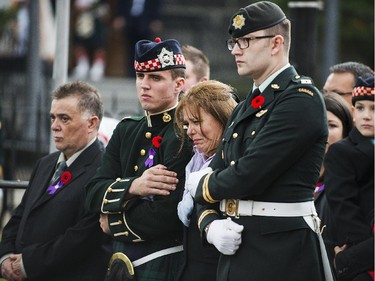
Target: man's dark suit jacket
{"x": 58, "y": 240}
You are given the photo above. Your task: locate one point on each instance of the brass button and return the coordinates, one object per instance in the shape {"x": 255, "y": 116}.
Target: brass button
{"x": 126, "y": 233}
{"x": 105, "y": 201}
{"x": 232, "y": 163}
{"x": 119, "y": 222}
{"x": 135, "y": 168}
{"x": 235, "y": 135}
{"x": 118, "y": 179}
{"x": 142, "y": 152}
{"x": 253, "y": 133}
{"x": 109, "y": 189}
{"x": 148, "y": 135}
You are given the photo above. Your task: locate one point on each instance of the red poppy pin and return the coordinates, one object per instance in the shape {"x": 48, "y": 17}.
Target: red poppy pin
{"x": 64, "y": 179}
{"x": 257, "y": 102}
{"x": 156, "y": 141}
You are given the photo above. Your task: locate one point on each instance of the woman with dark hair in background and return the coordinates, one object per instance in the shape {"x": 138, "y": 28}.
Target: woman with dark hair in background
{"x": 340, "y": 122}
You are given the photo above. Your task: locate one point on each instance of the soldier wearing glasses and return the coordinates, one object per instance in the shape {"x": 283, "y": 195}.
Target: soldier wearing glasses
{"x": 257, "y": 204}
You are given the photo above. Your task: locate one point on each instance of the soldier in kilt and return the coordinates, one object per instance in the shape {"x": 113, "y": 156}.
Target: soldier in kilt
{"x": 141, "y": 178}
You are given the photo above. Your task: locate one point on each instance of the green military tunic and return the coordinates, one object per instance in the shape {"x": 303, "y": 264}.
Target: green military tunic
{"x": 142, "y": 225}
{"x": 272, "y": 150}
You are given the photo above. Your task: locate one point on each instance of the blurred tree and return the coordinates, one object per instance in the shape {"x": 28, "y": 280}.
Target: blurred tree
{"x": 357, "y": 31}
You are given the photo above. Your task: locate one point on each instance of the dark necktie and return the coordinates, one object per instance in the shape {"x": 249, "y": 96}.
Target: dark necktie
{"x": 254, "y": 94}
{"x": 59, "y": 170}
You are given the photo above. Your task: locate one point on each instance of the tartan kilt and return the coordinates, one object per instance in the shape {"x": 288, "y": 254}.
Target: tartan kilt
{"x": 165, "y": 268}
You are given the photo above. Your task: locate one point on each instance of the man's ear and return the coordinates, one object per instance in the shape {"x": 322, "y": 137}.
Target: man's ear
{"x": 180, "y": 82}
{"x": 277, "y": 44}
{"x": 94, "y": 122}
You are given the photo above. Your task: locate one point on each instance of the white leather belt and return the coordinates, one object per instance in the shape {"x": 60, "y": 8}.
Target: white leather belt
{"x": 237, "y": 208}
{"x": 158, "y": 254}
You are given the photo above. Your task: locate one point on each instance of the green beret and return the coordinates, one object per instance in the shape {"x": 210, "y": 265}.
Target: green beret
{"x": 257, "y": 16}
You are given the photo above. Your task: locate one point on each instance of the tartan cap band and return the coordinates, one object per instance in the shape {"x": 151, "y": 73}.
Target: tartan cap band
{"x": 364, "y": 89}
{"x": 158, "y": 55}
{"x": 155, "y": 64}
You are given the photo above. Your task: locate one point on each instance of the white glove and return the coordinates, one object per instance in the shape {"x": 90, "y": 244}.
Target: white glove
{"x": 194, "y": 178}
{"x": 225, "y": 235}
{"x": 185, "y": 208}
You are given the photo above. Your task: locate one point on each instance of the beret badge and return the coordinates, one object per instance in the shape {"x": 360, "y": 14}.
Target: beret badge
{"x": 238, "y": 21}
{"x": 165, "y": 57}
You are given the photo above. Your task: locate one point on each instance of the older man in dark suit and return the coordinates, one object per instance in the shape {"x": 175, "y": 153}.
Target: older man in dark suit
{"x": 50, "y": 236}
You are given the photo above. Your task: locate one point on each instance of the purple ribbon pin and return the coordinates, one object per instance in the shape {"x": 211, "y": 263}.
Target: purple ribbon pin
{"x": 53, "y": 188}
{"x": 150, "y": 159}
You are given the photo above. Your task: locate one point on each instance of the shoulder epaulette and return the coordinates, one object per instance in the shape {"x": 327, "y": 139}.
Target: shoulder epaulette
{"x": 304, "y": 84}
{"x": 304, "y": 80}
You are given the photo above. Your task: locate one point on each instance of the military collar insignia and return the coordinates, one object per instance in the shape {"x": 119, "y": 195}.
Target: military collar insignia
{"x": 238, "y": 21}
{"x": 166, "y": 117}
{"x": 275, "y": 86}
{"x": 165, "y": 57}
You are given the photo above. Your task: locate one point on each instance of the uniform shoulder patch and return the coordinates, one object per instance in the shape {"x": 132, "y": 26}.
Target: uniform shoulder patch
{"x": 306, "y": 91}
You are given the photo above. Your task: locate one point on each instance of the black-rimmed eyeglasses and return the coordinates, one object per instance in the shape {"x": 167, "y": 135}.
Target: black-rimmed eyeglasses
{"x": 244, "y": 42}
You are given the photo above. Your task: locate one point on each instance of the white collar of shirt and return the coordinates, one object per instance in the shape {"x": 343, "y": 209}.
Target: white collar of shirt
{"x": 268, "y": 81}
{"x": 75, "y": 155}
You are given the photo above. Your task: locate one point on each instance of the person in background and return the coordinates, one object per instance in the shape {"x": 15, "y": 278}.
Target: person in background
{"x": 256, "y": 198}
{"x": 197, "y": 66}
{"x": 138, "y": 19}
{"x": 349, "y": 182}
{"x": 340, "y": 123}
{"x": 133, "y": 190}
{"x": 202, "y": 113}
{"x": 343, "y": 77}
{"x": 50, "y": 236}
{"x": 89, "y": 38}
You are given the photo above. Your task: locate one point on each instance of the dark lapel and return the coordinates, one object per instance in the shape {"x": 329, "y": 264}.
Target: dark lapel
{"x": 45, "y": 170}
{"x": 277, "y": 85}
{"x": 362, "y": 143}
{"x": 78, "y": 167}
